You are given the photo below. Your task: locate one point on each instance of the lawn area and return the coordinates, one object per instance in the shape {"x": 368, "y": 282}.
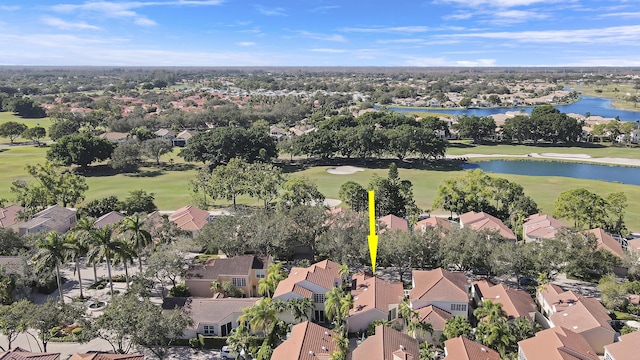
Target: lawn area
{"x": 171, "y": 187}
{"x": 7, "y": 116}
{"x": 616, "y": 92}
{"x": 595, "y": 150}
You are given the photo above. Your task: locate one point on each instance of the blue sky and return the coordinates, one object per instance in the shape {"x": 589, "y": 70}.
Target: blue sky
{"x": 321, "y": 33}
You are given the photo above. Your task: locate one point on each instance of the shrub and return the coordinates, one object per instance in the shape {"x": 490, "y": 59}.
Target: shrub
{"x": 180, "y": 290}
{"x": 195, "y": 342}
{"x": 76, "y": 331}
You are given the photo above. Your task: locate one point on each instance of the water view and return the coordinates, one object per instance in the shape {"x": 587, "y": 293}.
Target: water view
{"x": 586, "y": 104}
{"x": 626, "y": 175}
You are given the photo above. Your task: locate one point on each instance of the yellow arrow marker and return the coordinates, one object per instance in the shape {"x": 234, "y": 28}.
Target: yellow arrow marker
{"x": 373, "y": 238}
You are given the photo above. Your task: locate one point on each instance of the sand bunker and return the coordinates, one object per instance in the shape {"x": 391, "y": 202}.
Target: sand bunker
{"x": 344, "y": 170}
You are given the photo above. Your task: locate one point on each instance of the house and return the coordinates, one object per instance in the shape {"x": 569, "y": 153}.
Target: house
{"x": 244, "y": 272}
{"x": 9, "y": 215}
{"x": 433, "y": 102}
{"x": 607, "y": 242}
{"x": 483, "y": 221}
{"x": 190, "y": 218}
{"x": 437, "y": 318}
{"x": 582, "y": 315}
{"x": 392, "y": 222}
{"x": 182, "y": 138}
{"x": 432, "y": 223}
{"x": 387, "y": 344}
{"x": 211, "y": 317}
{"x": 106, "y": 356}
{"x": 624, "y": 348}
{"x": 165, "y": 134}
{"x": 114, "y": 137}
{"x": 537, "y": 227}
{"x": 443, "y": 289}
{"x": 515, "y": 303}
{"x": 556, "y": 343}
{"x": 112, "y": 218}
{"x": 277, "y": 133}
{"x": 22, "y": 354}
{"x": 308, "y": 341}
{"x": 53, "y": 218}
{"x": 461, "y": 348}
{"x": 312, "y": 282}
{"x": 373, "y": 299}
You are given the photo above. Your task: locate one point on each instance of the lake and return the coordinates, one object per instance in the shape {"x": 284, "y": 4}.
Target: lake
{"x": 626, "y": 175}
{"x": 592, "y": 105}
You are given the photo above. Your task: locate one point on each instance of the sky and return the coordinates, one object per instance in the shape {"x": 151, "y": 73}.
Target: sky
{"x": 465, "y": 33}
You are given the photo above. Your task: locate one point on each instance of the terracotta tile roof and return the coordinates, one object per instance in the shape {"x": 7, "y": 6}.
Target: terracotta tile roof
{"x": 108, "y": 219}
{"x": 308, "y": 341}
{"x": 385, "y": 343}
{"x": 302, "y": 291}
{"x": 483, "y": 221}
{"x": 625, "y": 348}
{"x": 9, "y": 215}
{"x": 392, "y": 222}
{"x": 461, "y": 348}
{"x": 606, "y": 242}
{"x": 439, "y": 285}
{"x": 583, "y": 315}
{"x": 189, "y": 218}
{"x": 542, "y": 226}
{"x": 22, "y": 354}
{"x": 324, "y": 274}
{"x": 633, "y": 244}
{"x": 374, "y": 293}
{"x": 107, "y": 357}
{"x": 557, "y": 344}
{"x": 237, "y": 265}
{"x": 432, "y": 222}
{"x": 516, "y": 303}
{"x": 434, "y": 316}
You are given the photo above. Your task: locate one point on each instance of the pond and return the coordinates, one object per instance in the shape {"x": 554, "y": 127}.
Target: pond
{"x": 626, "y": 175}
{"x": 586, "y": 104}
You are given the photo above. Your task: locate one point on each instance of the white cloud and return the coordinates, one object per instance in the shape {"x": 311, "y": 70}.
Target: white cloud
{"x": 67, "y": 25}
{"x": 401, "y": 41}
{"x": 441, "y": 61}
{"x": 624, "y": 15}
{"x": 324, "y": 9}
{"x": 327, "y": 50}
{"x": 246, "y": 43}
{"x": 9, "y": 8}
{"x": 323, "y": 37}
{"x": 271, "y": 11}
{"x": 396, "y": 29}
{"x": 458, "y": 16}
{"x": 611, "y": 35}
{"x": 498, "y": 3}
{"x": 507, "y": 17}
{"x": 144, "y": 21}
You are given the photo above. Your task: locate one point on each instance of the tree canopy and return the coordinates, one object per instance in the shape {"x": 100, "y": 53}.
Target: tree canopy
{"x": 79, "y": 149}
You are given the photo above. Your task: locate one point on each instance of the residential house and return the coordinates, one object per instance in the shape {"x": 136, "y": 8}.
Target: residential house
{"x": 183, "y": 137}
{"x": 112, "y": 218}
{"x": 165, "y": 134}
{"x": 437, "y": 318}
{"x": 308, "y": 341}
{"x": 392, "y": 222}
{"x": 443, "y": 289}
{"x": 607, "y": 242}
{"x": 556, "y": 344}
{"x": 313, "y": 283}
{"x": 583, "y": 315}
{"x": 211, "y": 317}
{"x": 537, "y": 227}
{"x": 515, "y": 303}
{"x": 625, "y": 348}
{"x": 244, "y": 272}
{"x": 53, "y": 218}
{"x": 106, "y": 356}
{"x": 9, "y": 216}
{"x": 483, "y": 221}
{"x": 278, "y": 133}
{"x": 114, "y": 137}
{"x": 387, "y": 344}
{"x": 433, "y": 102}
{"x": 22, "y": 354}
{"x": 190, "y": 218}
{"x": 461, "y": 348}
{"x": 432, "y": 223}
{"x": 373, "y": 299}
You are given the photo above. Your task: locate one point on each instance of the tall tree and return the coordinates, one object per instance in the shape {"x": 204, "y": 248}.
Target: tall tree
{"x": 35, "y": 133}
{"x": 230, "y": 180}
{"x": 581, "y": 205}
{"x": 155, "y": 148}
{"x": 80, "y": 149}
{"x": 265, "y": 182}
{"x": 354, "y": 195}
{"x": 12, "y": 130}
{"x": 105, "y": 248}
{"x": 337, "y": 304}
{"x": 53, "y": 186}
{"x": 139, "y": 237}
{"x": 393, "y": 195}
{"x": 13, "y": 321}
{"x": 77, "y": 248}
{"x": 475, "y": 127}
{"x": 52, "y": 252}
{"x": 301, "y": 191}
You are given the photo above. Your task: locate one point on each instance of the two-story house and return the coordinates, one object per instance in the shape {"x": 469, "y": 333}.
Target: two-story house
{"x": 373, "y": 299}
{"x": 444, "y": 289}
{"x": 387, "y": 344}
{"x": 483, "y": 221}
{"x": 244, "y": 272}
{"x": 53, "y": 218}
{"x": 556, "y": 343}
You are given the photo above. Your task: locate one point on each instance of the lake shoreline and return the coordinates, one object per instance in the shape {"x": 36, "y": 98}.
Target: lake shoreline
{"x": 581, "y": 158}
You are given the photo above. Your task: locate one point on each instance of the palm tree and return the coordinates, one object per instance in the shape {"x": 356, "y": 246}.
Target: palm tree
{"x": 125, "y": 256}
{"x": 239, "y": 339}
{"x": 344, "y": 273}
{"x": 496, "y": 334}
{"x": 337, "y": 305}
{"x": 104, "y": 248}
{"x": 139, "y": 237}
{"x": 215, "y": 287}
{"x": 260, "y": 316}
{"x": 77, "y": 246}
{"x": 84, "y": 227}
{"x": 268, "y": 285}
{"x": 300, "y": 308}
{"x": 489, "y": 311}
{"x": 52, "y": 252}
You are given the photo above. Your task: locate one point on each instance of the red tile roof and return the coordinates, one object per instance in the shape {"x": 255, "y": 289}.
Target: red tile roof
{"x": 432, "y": 222}
{"x": 374, "y": 293}
{"x": 557, "y": 344}
{"x": 107, "y": 357}
{"x": 606, "y": 242}
{"x": 439, "y": 285}
{"x": 585, "y": 314}
{"x": 9, "y": 215}
{"x": 542, "y": 226}
{"x": 483, "y": 221}
{"x": 516, "y": 303}
{"x": 308, "y": 341}
{"x": 461, "y": 348}
{"x": 22, "y": 354}
{"x": 392, "y": 222}
{"x": 190, "y": 218}
{"x": 626, "y": 347}
{"x": 434, "y": 316}
{"x": 386, "y": 343}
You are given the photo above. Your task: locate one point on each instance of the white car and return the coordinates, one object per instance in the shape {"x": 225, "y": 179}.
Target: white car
{"x": 226, "y": 353}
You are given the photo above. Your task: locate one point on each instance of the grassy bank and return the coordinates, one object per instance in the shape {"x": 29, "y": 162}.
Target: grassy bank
{"x": 597, "y": 150}
{"x": 617, "y": 93}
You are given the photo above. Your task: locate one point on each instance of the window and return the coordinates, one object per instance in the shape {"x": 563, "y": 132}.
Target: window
{"x": 392, "y": 315}
{"x": 458, "y": 307}
{"x": 318, "y": 298}
{"x": 225, "y": 329}
{"x": 209, "y": 330}
{"x": 260, "y": 274}
{"x": 239, "y": 282}
{"x": 318, "y": 316}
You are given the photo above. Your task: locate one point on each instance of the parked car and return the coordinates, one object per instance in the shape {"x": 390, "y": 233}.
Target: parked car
{"x": 527, "y": 281}
{"x": 226, "y": 353}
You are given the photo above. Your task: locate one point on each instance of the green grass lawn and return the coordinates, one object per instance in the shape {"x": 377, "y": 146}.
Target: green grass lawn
{"x": 459, "y": 148}
{"x": 7, "y": 116}
{"x": 171, "y": 187}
